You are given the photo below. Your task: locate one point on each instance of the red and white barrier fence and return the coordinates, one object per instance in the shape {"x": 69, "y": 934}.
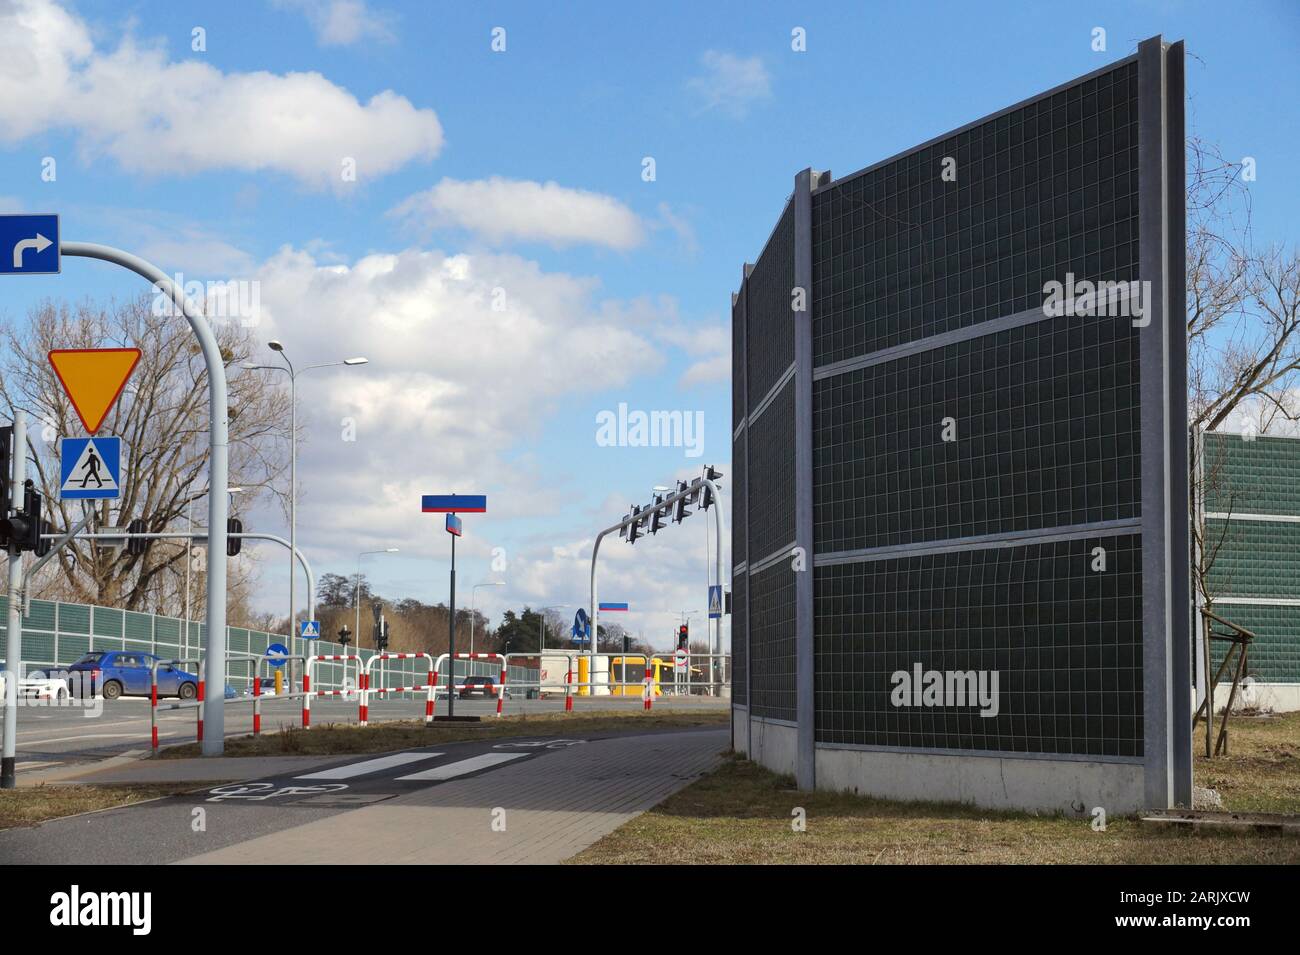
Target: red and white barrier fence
{"x": 257, "y": 683}
{"x": 451, "y": 678}
{"x": 360, "y": 689}
{"x": 570, "y": 673}
{"x": 428, "y": 687}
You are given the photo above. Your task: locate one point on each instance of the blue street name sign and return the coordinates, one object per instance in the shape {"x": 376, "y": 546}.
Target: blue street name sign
{"x": 453, "y": 503}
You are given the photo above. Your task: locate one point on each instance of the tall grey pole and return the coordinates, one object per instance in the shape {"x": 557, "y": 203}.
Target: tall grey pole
{"x": 14, "y": 633}
{"x": 214, "y": 737}
{"x": 451, "y": 639}
{"x": 356, "y": 636}
{"x": 189, "y": 561}
{"x": 293, "y": 497}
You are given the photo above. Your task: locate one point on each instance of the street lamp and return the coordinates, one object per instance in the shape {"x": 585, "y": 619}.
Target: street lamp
{"x": 473, "y": 592}
{"x": 356, "y": 600}
{"x": 277, "y": 347}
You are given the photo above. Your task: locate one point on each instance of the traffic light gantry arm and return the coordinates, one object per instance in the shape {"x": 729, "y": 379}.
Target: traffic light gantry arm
{"x": 203, "y": 535}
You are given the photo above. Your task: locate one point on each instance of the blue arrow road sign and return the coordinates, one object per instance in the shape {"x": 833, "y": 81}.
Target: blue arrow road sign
{"x": 90, "y": 469}
{"x": 29, "y": 244}
{"x": 309, "y": 629}
{"x": 276, "y": 653}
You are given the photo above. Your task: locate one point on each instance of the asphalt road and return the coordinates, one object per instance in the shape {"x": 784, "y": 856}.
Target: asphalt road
{"x": 437, "y": 794}
{"x": 49, "y": 736}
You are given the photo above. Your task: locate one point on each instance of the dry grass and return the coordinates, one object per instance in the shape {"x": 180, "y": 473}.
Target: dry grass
{"x": 36, "y": 804}
{"x": 1261, "y": 772}
{"x": 338, "y": 738}
{"x": 743, "y": 814}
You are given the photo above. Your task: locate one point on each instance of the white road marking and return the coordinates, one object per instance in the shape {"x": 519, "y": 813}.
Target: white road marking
{"x": 369, "y": 766}
{"x": 73, "y": 739}
{"x": 461, "y": 768}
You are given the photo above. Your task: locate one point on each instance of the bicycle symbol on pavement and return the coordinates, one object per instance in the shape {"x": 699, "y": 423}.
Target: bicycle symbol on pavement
{"x": 263, "y": 791}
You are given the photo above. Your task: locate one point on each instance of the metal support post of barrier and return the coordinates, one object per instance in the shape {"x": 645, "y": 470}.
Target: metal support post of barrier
{"x": 153, "y": 696}
{"x": 257, "y": 684}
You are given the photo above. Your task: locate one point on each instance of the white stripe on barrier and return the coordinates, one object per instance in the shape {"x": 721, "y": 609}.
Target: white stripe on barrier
{"x": 369, "y": 766}
{"x": 462, "y": 768}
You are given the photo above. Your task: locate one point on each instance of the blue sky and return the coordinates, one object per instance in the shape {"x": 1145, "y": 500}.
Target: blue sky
{"x": 214, "y": 163}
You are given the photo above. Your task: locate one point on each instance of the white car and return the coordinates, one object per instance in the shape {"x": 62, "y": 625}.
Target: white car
{"x": 38, "y": 686}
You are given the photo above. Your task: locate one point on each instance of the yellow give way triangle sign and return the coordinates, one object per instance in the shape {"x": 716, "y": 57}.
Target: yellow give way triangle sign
{"x": 93, "y": 379}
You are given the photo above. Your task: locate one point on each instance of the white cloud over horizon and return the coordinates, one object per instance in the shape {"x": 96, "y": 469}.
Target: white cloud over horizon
{"x": 453, "y": 384}
{"x": 512, "y": 210}
{"x": 158, "y": 116}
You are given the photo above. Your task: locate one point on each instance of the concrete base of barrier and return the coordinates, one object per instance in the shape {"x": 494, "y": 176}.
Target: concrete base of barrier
{"x": 740, "y": 730}
{"x": 773, "y": 744}
{"x": 994, "y": 782}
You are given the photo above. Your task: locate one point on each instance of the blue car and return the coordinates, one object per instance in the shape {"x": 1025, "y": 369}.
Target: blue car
{"x": 117, "y": 673}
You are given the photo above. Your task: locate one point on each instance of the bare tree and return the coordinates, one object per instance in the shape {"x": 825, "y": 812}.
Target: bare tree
{"x": 161, "y": 418}
{"x": 1243, "y": 333}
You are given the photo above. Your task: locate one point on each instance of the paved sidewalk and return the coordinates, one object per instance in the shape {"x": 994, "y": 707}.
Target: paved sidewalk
{"x": 554, "y": 807}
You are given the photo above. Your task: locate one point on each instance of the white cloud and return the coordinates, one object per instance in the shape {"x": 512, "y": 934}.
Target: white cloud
{"x": 681, "y": 225}
{"x": 504, "y": 210}
{"x": 342, "y": 22}
{"x": 708, "y": 345}
{"x": 453, "y": 390}
{"x": 730, "y": 83}
{"x": 710, "y": 371}
{"x": 158, "y": 116}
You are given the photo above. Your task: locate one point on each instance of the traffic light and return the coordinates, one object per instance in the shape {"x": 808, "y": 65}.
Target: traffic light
{"x": 233, "y": 544}
{"x": 634, "y": 529}
{"x": 622, "y": 530}
{"x": 6, "y": 464}
{"x": 381, "y": 635}
{"x": 656, "y": 514}
{"x": 43, "y": 545}
{"x": 714, "y": 475}
{"x": 22, "y": 529}
{"x": 683, "y": 637}
{"x": 136, "y": 546}
{"x": 680, "y": 513}
{"x": 345, "y": 635}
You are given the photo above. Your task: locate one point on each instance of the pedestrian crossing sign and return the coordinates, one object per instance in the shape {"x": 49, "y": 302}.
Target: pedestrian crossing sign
{"x": 309, "y": 629}
{"x": 90, "y": 469}
{"x": 715, "y": 602}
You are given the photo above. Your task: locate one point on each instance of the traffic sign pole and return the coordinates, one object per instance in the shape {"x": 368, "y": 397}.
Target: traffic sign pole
{"x": 214, "y": 739}
{"x": 14, "y": 634}
{"x": 451, "y": 638}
